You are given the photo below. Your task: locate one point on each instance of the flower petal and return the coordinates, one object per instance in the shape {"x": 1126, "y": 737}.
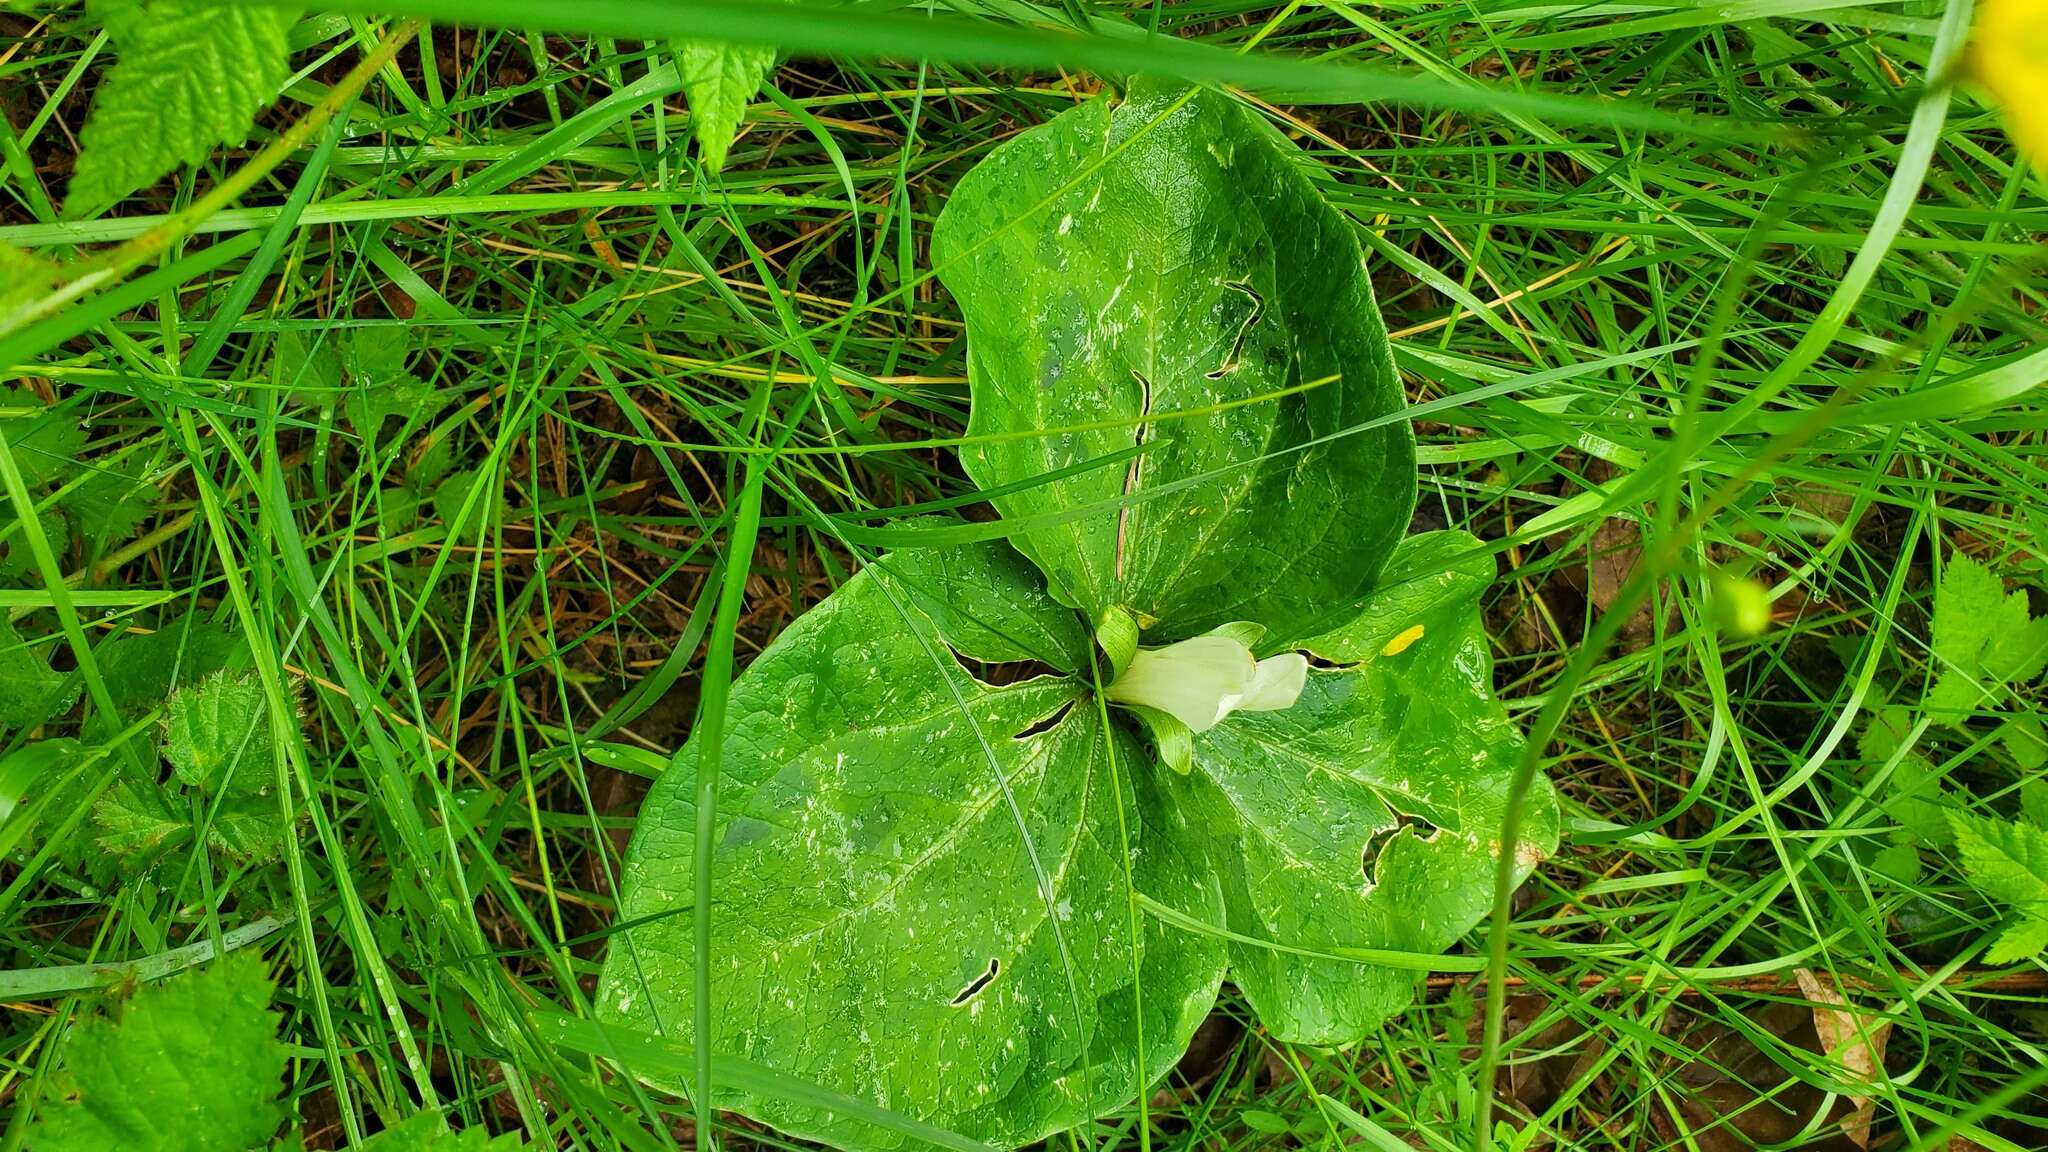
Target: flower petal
{"x": 1276, "y": 683}
{"x": 1192, "y": 681}
{"x": 2009, "y": 56}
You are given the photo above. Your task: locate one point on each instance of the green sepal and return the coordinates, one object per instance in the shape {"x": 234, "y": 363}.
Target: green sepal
{"x": 1245, "y": 632}
{"x": 1174, "y": 741}
{"x": 1116, "y": 633}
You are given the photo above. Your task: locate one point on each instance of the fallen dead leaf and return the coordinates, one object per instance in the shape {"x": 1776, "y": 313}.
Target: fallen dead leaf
{"x": 1731, "y": 1095}
{"x": 1851, "y": 1036}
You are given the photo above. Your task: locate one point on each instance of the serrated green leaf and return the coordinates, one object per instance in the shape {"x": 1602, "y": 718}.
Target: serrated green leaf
{"x": 17, "y": 559}
{"x": 45, "y": 441}
{"x": 245, "y": 826}
{"x": 1130, "y": 261}
{"x": 2026, "y": 741}
{"x": 109, "y": 505}
{"x": 2018, "y": 656}
{"x": 30, "y": 690}
{"x": 189, "y": 76}
{"x": 192, "y": 1065}
{"x": 368, "y": 407}
{"x": 141, "y": 669}
{"x": 310, "y": 365}
{"x": 1918, "y": 800}
{"x": 2019, "y": 942}
{"x": 2034, "y": 803}
{"x": 1914, "y": 794}
{"x": 378, "y": 385}
{"x": 2007, "y": 861}
{"x": 719, "y": 78}
{"x": 1881, "y": 738}
{"x": 136, "y": 820}
{"x": 1366, "y": 816}
{"x": 1899, "y": 863}
{"x": 881, "y": 926}
{"x": 217, "y": 736}
{"x": 1983, "y": 639}
{"x": 459, "y": 490}
{"x": 424, "y": 473}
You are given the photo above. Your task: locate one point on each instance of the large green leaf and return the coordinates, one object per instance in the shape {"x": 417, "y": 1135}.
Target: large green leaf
{"x": 990, "y": 605}
{"x": 922, "y": 896}
{"x": 1166, "y": 254}
{"x": 1367, "y": 815}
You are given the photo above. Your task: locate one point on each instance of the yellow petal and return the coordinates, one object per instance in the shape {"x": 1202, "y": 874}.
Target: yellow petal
{"x": 2009, "y": 57}
{"x": 1404, "y": 641}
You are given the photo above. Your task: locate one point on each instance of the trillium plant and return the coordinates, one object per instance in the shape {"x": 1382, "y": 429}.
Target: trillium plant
{"x": 996, "y": 820}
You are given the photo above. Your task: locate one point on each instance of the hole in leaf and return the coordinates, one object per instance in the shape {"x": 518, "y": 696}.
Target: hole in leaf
{"x": 1048, "y": 723}
{"x": 1003, "y": 673}
{"x": 1244, "y": 330}
{"x": 1136, "y": 473}
{"x": 1377, "y": 843}
{"x": 974, "y": 987}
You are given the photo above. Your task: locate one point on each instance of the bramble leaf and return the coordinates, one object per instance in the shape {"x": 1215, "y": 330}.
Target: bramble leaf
{"x": 309, "y": 365}
{"x": 1156, "y": 272}
{"x": 719, "y": 78}
{"x": 17, "y": 559}
{"x": 1984, "y": 638}
{"x": 142, "y": 669}
{"x": 136, "y": 820}
{"x": 190, "y": 75}
{"x": 379, "y": 386}
{"x": 217, "y": 736}
{"x": 110, "y": 504}
{"x": 2004, "y": 859}
{"x": 1897, "y": 862}
{"x": 1914, "y": 795}
{"x": 2018, "y": 942}
{"x": 2007, "y": 861}
{"x": 192, "y": 1064}
{"x": 44, "y": 440}
{"x": 2034, "y": 803}
{"x": 30, "y": 690}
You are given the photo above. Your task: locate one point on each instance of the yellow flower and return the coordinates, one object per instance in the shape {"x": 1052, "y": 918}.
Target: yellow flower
{"x": 2009, "y": 57}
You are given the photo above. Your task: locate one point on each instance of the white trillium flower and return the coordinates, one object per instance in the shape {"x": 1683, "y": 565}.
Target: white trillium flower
{"x": 1201, "y": 680}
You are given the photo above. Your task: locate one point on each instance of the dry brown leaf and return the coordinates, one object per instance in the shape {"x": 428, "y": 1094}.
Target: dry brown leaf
{"x": 1852, "y": 1037}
